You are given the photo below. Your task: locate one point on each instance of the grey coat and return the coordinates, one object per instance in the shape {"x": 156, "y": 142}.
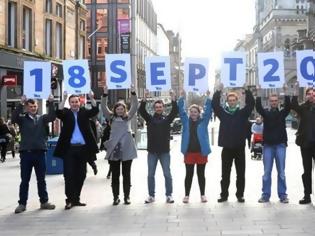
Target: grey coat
{"x": 120, "y": 132}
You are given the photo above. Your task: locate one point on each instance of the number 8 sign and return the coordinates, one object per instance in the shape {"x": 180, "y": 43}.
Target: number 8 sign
{"x": 36, "y": 82}
{"x": 76, "y": 76}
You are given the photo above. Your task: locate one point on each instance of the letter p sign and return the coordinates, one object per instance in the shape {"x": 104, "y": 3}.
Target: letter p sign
{"x": 196, "y": 74}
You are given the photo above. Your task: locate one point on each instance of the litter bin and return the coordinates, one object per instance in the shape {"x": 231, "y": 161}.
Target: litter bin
{"x": 54, "y": 165}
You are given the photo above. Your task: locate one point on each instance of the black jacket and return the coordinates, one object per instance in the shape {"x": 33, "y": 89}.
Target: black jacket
{"x": 158, "y": 128}
{"x": 274, "y": 122}
{"x": 232, "y": 131}
{"x": 305, "y": 134}
{"x": 33, "y": 131}
{"x": 67, "y": 118}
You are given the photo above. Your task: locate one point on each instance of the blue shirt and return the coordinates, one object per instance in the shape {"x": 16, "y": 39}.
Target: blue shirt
{"x": 77, "y": 136}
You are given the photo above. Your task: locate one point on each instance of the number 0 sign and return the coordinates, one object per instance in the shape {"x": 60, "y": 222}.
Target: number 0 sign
{"x": 36, "y": 82}
{"x": 76, "y": 76}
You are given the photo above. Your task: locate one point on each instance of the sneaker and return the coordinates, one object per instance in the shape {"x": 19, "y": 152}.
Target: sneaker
{"x": 150, "y": 199}
{"x": 284, "y": 200}
{"x": 20, "y": 208}
{"x": 186, "y": 199}
{"x": 203, "y": 199}
{"x": 169, "y": 199}
{"x": 47, "y": 206}
{"x": 263, "y": 200}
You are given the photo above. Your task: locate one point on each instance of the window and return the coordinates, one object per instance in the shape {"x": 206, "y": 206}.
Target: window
{"x": 82, "y": 25}
{"x": 88, "y": 21}
{"x": 48, "y": 34}
{"x": 58, "y": 40}
{"x": 102, "y": 44}
{"x": 122, "y": 13}
{"x": 123, "y": 1}
{"x": 27, "y": 29}
{"x": 297, "y": 9}
{"x": 48, "y": 6}
{"x": 101, "y": 20}
{"x": 12, "y": 24}
{"x": 59, "y": 10}
{"x": 101, "y": 1}
{"x": 81, "y": 47}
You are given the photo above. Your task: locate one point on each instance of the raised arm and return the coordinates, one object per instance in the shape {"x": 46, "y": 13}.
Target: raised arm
{"x": 134, "y": 105}
{"x": 181, "y": 107}
{"x": 207, "y": 108}
{"x": 60, "y": 112}
{"x": 94, "y": 110}
{"x": 249, "y": 103}
{"x": 16, "y": 114}
{"x": 216, "y": 104}
{"x": 171, "y": 116}
{"x": 51, "y": 115}
{"x": 259, "y": 107}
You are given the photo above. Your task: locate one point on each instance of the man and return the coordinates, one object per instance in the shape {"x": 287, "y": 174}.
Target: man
{"x": 32, "y": 149}
{"x": 76, "y": 145}
{"x": 158, "y": 130}
{"x": 275, "y": 143}
{"x": 232, "y": 137}
{"x": 305, "y": 138}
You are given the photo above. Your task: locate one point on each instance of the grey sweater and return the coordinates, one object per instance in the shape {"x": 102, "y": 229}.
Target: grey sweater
{"x": 33, "y": 129}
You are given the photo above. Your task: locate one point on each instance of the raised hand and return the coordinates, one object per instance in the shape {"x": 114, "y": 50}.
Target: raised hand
{"x": 23, "y": 99}
{"x": 65, "y": 95}
{"x": 183, "y": 93}
{"x": 50, "y": 98}
{"x": 105, "y": 89}
{"x": 208, "y": 93}
{"x": 91, "y": 95}
{"x": 132, "y": 88}
{"x": 172, "y": 95}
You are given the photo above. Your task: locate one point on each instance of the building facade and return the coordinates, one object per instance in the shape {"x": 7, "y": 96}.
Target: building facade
{"x": 47, "y": 30}
{"x": 109, "y": 29}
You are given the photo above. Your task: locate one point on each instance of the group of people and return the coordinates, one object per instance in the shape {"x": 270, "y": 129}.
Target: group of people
{"x": 8, "y": 135}
{"x": 77, "y": 143}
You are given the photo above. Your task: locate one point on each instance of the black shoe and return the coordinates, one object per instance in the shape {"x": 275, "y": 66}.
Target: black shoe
{"x": 305, "y": 200}
{"x": 68, "y": 206}
{"x": 79, "y": 204}
{"x": 127, "y": 201}
{"x": 241, "y": 199}
{"x": 222, "y": 199}
{"x": 116, "y": 202}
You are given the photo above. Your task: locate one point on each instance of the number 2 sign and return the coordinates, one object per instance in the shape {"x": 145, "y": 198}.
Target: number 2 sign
{"x": 76, "y": 76}
{"x": 36, "y": 82}
{"x": 271, "y": 69}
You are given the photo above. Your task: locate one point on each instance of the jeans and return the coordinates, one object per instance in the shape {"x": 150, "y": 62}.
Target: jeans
{"x": 271, "y": 152}
{"x": 164, "y": 159}
{"x": 228, "y": 155}
{"x": 28, "y": 161}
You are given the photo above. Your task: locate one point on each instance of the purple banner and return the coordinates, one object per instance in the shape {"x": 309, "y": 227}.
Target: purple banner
{"x": 123, "y": 26}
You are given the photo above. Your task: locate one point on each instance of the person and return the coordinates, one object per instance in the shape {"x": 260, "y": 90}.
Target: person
{"x": 121, "y": 147}
{"x": 305, "y": 137}
{"x": 232, "y": 139}
{"x": 104, "y": 138}
{"x": 32, "y": 149}
{"x": 258, "y": 126}
{"x": 158, "y": 144}
{"x": 13, "y": 133}
{"x": 195, "y": 144}
{"x": 76, "y": 145}
{"x": 275, "y": 143}
{"x": 5, "y": 138}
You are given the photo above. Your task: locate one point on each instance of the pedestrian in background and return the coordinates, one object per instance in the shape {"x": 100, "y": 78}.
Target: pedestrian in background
{"x": 32, "y": 149}
{"x": 158, "y": 143}
{"x": 13, "y": 133}
{"x": 120, "y": 147}
{"x": 275, "y": 143}
{"x": 195, "y": 144}
{"x": 232, "y": 137}
{"x": 76, "y": 145}
{"x": 5, "y": 138}
{"x": 305, "y": 137}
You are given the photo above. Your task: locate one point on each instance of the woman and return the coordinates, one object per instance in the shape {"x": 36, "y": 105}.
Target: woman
{"x": 5, "y": 138}
{"x": 195, "y": 143}
{"x": 121, "y": 147}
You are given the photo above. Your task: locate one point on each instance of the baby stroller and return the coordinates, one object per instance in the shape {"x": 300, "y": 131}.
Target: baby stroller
{"x": 257, "y": 147}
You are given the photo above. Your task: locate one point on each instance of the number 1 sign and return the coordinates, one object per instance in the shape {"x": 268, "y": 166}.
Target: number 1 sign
{"x": 36, "y": 82}
{"x": 76, "y": 76}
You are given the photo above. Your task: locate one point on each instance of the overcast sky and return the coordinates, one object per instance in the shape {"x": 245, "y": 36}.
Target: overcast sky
{"x": 207, "y": 27}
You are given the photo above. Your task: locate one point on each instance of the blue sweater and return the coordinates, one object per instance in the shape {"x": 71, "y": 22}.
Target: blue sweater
{"x": 202, "y": 128}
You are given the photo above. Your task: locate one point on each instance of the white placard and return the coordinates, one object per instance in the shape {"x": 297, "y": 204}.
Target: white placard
{"x": 76, "y": 76}
{"x": 233, "y": 69}
{"x": 196, "y": 75}
{"x": 37, "y": 79}
{"x": 158, "y": 73}
{"x": 305, "y": 61}
{"x": 118, "y": 71}
{"x": 271, "y": 69}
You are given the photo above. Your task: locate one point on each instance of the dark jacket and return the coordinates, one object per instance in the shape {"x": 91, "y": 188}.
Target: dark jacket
{"x": 274, "y": 131}
{"x": 232, "y": 131}
{"x": 68, "y": 123}
{"x": 4, "y": 130}
{"x": 33, "y": 131}
{"x": 305, "y": 134}
{"x": 158, "y": 128}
